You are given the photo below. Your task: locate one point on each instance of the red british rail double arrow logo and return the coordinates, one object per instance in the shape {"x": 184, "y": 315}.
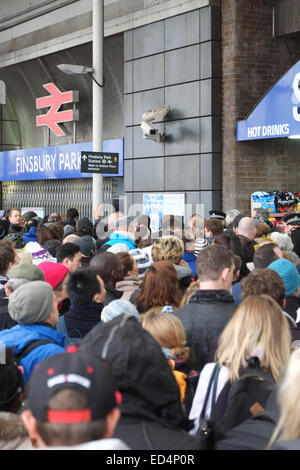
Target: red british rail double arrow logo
{"x": 54, "y": 101}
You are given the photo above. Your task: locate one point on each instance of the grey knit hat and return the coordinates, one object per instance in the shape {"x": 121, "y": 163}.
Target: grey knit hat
{"x": 118, "y": 307}
{"x": 31, "y": 303}
{"x": 26, "y": 271}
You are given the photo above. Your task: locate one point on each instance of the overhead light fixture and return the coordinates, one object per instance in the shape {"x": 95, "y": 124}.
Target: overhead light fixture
{"x": 71, "y": 69}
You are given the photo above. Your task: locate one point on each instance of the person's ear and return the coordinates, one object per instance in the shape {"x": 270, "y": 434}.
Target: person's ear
{"x": 7, "y": 291}
{"x": 111, "y": 422}
{"x": 225, "y": 274}
{"x": 30, "y": 424}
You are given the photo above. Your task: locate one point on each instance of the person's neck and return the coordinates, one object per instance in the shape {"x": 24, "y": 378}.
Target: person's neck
{"x": 213, "y": 285}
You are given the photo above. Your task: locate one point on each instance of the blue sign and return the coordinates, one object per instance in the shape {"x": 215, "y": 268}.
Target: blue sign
{"x": 278, "y": 113}
{"x": 62, "y": 162}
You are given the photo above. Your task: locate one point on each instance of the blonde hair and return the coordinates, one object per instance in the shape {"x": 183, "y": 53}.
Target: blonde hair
{"x": 24, "y": 256}
{"x": 288, "y": 397}
{"x": 257, "y": 328}
{"x": 168, "y": 332}
{"x": 167, "y": 248}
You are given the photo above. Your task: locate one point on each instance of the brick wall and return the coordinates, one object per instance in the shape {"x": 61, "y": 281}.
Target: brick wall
{"x": 252, "y": 61}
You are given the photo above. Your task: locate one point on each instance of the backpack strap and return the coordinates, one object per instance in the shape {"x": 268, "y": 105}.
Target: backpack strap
{"x": 30, "y": 347}
{"x": 213, "y": 382}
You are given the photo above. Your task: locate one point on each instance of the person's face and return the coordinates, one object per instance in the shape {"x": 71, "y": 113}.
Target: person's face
{"x": 61, "y": 295}
{"x": 135, "y": 269}
{"x": 15, "y": 217}
{"x": 74, "y": 264}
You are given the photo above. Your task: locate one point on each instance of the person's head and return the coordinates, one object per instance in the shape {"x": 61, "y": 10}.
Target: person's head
{"x": 29, "y": 218}
{"x": 143, "y": 261}
{"x": 32, "y": 303}
{"x": 168, "y": 332}
{"x": 20, "y": 274}
{"x": 56, "y": 274}
{"x": 72, "y": 400}
{"x": 167, "y": 248}
{"x": 129, "y": 264}
{"x": 85, "y": 226}
{"x": 54, "y": 217}
{"x": 8, "y": 256}
{"x": 288, "y": 273}
{"x": 196, "y": 224}
{"x": 213, "y": 227}
{"x": 84, "y": 286}
{"x": 262, "y": 230}
{"x": 72, "y": 213}
{"x": 69, "y": 255}
{"x": 70, "y": 238}
{"x": 265, "y": 255}
{"x": 12, "y": 384}
{"x": 160, "y": 287}
{"x": 258, "y": 328}
{"x": 218, "y": 215}
{"x": 247, "y": 228}
{"x": 237, "y": 267}
{"x": 44, "y": 234}
{"x": 291, "y": 221}
{"x": 283, "y": 240}
{"x": 14, "y": 216}
{"x": 119, "y": 307}
{"x": 57, "y": 230}
{"x": 230, "y": 215}
{"x": 87, "y": 245}
{"x": 264, "y": 281}
{"x": 108, "y": 266}
{"x": 215, "y": 266}
{"x": 230, "y": 241}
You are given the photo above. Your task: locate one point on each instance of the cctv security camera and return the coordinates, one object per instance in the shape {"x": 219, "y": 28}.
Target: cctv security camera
{"x": 154, "y": 114}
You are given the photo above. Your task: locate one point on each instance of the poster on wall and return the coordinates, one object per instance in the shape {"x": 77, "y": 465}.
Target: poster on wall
{"x": 155, "y": 205}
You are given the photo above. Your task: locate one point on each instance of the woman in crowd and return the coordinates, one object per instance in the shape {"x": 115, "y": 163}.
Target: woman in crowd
{"x": 130, "y": 280}
{"x": 159, "y": 288}
{"x": 257, "y": 339}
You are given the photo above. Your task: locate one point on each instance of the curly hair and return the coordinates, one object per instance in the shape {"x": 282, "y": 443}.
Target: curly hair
{"x": 168, "y": 248}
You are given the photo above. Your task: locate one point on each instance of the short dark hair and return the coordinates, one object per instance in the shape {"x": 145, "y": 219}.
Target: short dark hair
{"x": 264, "y": 255}
{"x": 82, "y": 285}
{"x": 7, "y": 255}
{"x": 72, "y": 213}
{"x": 68, "y": 250}
{"x": 127, "y": 262}
{"x": 11, "y": 380}
{"x": 215, "y": 226}
{"x": 264, "y": 281}
{"x": 104, "y": 264}
{"x": 212, "y": 260}
{"x": 58, "y": 434}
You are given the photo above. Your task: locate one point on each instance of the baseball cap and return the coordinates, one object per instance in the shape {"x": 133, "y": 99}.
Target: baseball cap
{"x": 75, "y": 370}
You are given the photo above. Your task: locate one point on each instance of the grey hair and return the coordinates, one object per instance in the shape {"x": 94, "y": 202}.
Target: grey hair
{"x": 283, "y": 240}
{"x": 230, "y": 215}
{"x": 13, "y": 283}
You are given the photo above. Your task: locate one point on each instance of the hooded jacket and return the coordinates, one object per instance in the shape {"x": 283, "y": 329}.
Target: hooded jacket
{"x": 13, "y": 434}
{"x": 203, "y": 319}
{"x": 20, "y": 336}
{"x": 151, "y": 414}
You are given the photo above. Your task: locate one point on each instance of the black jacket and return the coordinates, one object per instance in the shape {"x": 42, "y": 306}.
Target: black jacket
{"x": 151, "y": 414}
{"x": 112, "y": 294}
{"x": 203, "y": 319}
{"x": 6, "y": 321}
{"x": 82, "y": 318}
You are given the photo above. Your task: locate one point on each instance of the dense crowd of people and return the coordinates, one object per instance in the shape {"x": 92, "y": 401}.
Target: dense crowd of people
{"x": 113, "y": 337}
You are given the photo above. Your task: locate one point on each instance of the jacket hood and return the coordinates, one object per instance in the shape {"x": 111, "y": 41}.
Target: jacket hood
{"x": 11, "y": 427}
{"x": 183, "y": 271}
{"x": 19, "y": 336}
{"x": 141, "y": 371}
{"x": 204, "y": 296}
